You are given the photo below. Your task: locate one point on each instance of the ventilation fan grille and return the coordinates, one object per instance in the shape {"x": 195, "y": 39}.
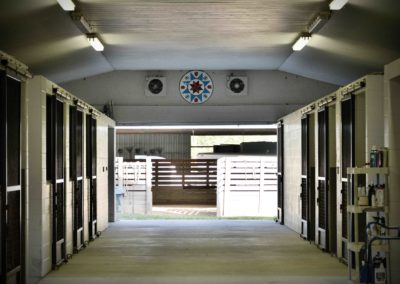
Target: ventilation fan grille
{"x": 236, "y": 86}
{"x": 155, "y": 86}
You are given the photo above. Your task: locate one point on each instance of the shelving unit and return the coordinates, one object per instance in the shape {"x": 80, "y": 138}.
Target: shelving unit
{"x": 355, "y": 211}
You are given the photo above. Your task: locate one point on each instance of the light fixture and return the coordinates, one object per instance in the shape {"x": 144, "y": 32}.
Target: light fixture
{"x": 318, "y": 22}
{"x": 194, "y": 127}
{"x": 308, "y": 109}
{"x": 337, "y": 4}
{"x": 81, "y": 22}
{"x": 301, "y": 41}
{"x": 67, "y": 5}
{"x": 95, "y": 42}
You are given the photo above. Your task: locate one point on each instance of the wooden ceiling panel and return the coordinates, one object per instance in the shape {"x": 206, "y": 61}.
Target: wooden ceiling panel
{"x": 209, "y": 18}
{"x": 213, "y": 35}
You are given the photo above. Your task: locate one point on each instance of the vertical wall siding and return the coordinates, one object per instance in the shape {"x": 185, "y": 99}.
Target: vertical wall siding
{"x": 292, "y": 172}
{"x": 368, "y": 132}
{"x": 39, "y": 237}
{"x": 102, "y": 172}
{"x": 392, "y": 141}
{"x": 174, "y": 146}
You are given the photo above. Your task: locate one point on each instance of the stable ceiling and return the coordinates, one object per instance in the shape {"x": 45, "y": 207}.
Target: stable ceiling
{"x": 195, "y": 34}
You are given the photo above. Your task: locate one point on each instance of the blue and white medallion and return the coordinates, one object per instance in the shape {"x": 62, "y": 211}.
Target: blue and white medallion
{"x": 196, "y": 87}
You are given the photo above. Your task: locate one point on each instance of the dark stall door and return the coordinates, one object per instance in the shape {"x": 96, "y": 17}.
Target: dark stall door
{"x": 11, "y": 240}
{"x": 56, "y": 176}
{"x": 280, "y": 212}
{"x": 323, "y": 178}
{"x": 307, "y": 194}
{"x": 111, "y": 174}
{"x": 348, "y": 159}
{"x": 76, "y": 174}
{"x": 91, "y": 165}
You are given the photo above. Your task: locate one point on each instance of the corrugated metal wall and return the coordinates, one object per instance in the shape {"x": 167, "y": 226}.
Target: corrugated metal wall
{"x": 169, "y": 146}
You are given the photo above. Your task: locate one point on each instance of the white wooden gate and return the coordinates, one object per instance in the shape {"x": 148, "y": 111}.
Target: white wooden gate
{"x": 133, "y": 180}
{"x": 246, "y": 186}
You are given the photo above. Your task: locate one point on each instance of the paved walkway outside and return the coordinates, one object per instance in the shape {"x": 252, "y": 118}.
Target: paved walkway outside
{"x": 199, "y": 251}
{"x": 188, "y": 210}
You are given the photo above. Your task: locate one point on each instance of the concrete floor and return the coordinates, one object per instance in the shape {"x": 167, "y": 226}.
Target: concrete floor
{"x": 199, "y": 251}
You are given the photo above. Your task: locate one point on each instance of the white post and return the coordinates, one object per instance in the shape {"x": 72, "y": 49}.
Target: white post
{"x": 149, "y": 194}
{"x": 220, "y": 186}
{"x": 227, "y": 186}
{"x": 120, "y": 171}
{"x": 261, "y": 195}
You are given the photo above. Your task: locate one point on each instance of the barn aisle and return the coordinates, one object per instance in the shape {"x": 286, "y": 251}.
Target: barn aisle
{"x": 199, "y": 251}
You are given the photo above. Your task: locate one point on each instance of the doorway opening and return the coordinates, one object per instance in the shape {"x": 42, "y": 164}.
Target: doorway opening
{"x": 193, "y": 173}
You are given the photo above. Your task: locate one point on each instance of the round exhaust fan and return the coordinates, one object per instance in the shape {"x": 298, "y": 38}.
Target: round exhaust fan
{"x": 237, "y": 85}
{"x": 155, "y": 86}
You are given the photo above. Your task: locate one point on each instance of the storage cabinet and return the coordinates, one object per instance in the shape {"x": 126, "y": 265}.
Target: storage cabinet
{"x": 359, "y": 215}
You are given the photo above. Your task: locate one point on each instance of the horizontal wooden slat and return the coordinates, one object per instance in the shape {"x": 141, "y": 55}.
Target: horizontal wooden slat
{"x": 196, "y": 173}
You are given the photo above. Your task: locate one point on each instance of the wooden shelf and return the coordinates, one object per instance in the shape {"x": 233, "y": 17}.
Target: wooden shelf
{"x": 364, "y": 170}
{"x": 362, "y": 209}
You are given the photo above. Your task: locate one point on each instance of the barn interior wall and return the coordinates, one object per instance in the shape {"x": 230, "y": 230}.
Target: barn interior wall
{"x": 167, "y": 145}
{"x": 369, "y": 132}
{"x": 392, "y": 141}
{"x": 39, "y": 232}
{"x": 270, "y": 95}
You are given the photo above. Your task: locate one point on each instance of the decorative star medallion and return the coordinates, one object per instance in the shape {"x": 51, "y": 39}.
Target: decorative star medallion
{"x": 196, "y": 87}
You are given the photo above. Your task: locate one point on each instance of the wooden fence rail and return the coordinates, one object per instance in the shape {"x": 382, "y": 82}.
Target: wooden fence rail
{"x": 185, "y": 174}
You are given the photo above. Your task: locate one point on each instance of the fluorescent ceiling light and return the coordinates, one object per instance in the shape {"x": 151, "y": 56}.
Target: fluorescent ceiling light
{"x": 301, "y": 42}
{"x": 318, "y": 22}
{"x": 337, "y": 4}
{"x": 194, "y": 127}
{"x": 67, "y": 5}
{"x": 95, "y": 42}
{"x": 81, "y": 23}
{"x": 315, "y": 24}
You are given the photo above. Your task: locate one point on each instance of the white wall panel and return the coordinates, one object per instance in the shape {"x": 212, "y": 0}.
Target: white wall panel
{"x": 392, "y": 141}
{"x": 271, "y": 94}
{"x": 39, "y": 244}
{"x": 292, "y": 171}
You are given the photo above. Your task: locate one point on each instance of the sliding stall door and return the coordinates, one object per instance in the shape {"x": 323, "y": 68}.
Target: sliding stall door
{"x": 332, "y": 184}
{"x": 56, "y": 175}
{"x": 307, "y": 184}
{"x": 348, "y": 144}
{"x": 91, "y": 165}
{"x": 10, "y": 180}
{"x": 323, "y": 177}
{"x": 280, "y": 174}
{"x": 304, "y": 178}
{"x": 111, "y": 174}
{"x": 304, "y": 170}
{"x": 76, "y": 174}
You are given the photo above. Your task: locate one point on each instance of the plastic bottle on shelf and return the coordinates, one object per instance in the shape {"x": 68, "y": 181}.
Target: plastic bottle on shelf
{"x": 363, "y": 273}
{"x": 371, "y": 195}
{"x": 379, "y": 194}
{"x": 380, "y": 274}
{"x": 383, "y": 231}
{"x": 373, "y": 157}
{"x": 373, "y": 199}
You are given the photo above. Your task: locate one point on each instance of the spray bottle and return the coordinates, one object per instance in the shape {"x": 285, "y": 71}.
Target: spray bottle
{"x": 379, "y": 269}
